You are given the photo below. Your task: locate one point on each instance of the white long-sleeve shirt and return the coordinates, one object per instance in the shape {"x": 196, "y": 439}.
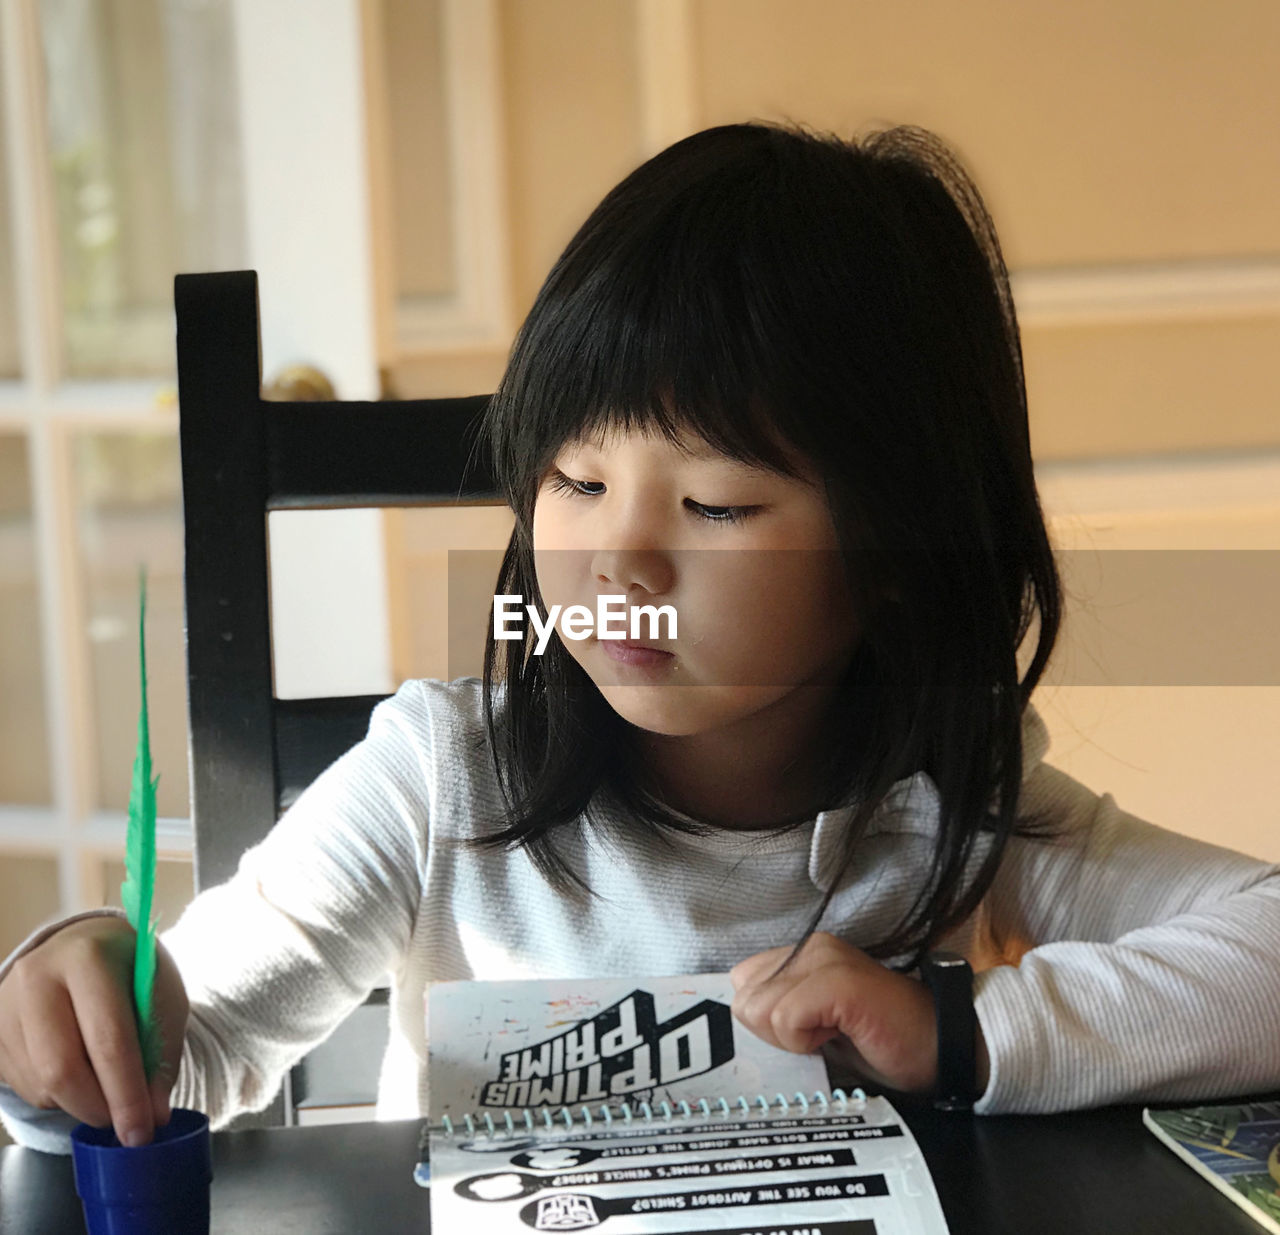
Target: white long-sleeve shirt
{"x": 1124, "y": 963}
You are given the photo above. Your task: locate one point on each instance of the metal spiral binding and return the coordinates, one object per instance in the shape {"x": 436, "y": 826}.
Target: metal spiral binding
{"x": 521, "y": 1121}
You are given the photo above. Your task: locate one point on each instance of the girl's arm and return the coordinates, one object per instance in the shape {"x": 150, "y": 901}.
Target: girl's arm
{"x": 1123, "y": 963}
{"x": 1149, "y": 970}
{"x": 314, "y": 917}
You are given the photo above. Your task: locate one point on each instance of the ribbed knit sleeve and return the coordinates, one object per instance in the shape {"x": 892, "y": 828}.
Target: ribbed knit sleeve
{"x": 1156, "y": 970}
{"x": 314, "y": 917}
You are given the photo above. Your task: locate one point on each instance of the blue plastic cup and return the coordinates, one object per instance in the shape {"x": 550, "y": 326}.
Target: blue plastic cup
{"x": 155, "y": 1189}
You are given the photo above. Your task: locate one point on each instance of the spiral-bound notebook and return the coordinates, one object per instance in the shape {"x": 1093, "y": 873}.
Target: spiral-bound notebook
{"x": 642, "y": 1105}
{"x": 1235, "y": 1146}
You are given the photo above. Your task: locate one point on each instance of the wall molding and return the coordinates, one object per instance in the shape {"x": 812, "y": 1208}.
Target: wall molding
{"x": 1248, "y": 483}
{"x": 1147, "y": 292}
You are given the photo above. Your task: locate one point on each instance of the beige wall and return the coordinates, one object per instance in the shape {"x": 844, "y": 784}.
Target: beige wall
{"x": 1136, "y": 388}
{"x": 1101, "y": 131}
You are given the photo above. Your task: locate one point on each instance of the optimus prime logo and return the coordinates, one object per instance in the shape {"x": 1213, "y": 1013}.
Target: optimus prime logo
{"x": 620, "y": 1051}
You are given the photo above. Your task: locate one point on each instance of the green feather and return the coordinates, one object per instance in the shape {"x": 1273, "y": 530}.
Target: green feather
{"x": 137, "y": 891}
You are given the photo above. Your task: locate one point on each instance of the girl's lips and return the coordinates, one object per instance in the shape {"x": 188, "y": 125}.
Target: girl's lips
{"x": 626, "y": 653}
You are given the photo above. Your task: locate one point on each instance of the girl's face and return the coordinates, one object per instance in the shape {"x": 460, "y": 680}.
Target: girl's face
{"x": 748, "y": 558}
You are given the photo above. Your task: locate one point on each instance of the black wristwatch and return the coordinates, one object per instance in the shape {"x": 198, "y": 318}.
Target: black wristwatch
{"x": 949, "y": 978}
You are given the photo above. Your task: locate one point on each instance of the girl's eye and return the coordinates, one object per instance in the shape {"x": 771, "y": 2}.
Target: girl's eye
{"x": 722, "y": 514}
{"x": 560, "y": 483}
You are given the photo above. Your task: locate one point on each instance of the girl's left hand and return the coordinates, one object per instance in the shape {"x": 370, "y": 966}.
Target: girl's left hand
{"x": 878, "y": 1022}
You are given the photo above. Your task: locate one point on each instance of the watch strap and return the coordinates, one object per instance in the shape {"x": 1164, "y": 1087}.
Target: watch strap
{"x": 950, "y": 980}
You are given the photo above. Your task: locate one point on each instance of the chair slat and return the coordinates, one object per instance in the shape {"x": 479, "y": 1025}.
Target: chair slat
{"x": 311, "y": 734}
{"x": 376, "y": 454}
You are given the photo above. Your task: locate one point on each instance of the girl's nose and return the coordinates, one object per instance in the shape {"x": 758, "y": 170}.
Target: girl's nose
{"x": 650, "y": 569}
{"x": 633, "y": 530}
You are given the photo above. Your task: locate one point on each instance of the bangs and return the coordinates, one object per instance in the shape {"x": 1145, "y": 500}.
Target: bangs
{"x": 672, "y": 316}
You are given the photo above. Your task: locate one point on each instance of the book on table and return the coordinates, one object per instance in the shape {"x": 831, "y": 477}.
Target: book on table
{"x": 1235, "y": 1146}
{"x": 643, "y": 1105}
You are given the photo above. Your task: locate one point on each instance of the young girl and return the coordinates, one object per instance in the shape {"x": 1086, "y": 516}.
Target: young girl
{"x": 774, "y": 382}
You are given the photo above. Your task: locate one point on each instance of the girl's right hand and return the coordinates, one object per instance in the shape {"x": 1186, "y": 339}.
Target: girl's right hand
{"x": 68, "y": 1036}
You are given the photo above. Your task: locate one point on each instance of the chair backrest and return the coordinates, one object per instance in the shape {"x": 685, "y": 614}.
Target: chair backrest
{"x": 242, "y": 457}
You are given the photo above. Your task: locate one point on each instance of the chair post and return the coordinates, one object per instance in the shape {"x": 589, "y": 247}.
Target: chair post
{"x": 228, "y": 638}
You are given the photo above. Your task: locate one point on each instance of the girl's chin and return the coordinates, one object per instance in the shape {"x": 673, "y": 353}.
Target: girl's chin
{"x": 657, "y": 709}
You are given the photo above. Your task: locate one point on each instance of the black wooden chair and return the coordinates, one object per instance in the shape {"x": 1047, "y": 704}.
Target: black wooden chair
{"x": 251, "y": 754}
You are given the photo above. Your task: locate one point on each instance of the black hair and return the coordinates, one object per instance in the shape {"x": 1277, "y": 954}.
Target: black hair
{"x": 776, "y": 290}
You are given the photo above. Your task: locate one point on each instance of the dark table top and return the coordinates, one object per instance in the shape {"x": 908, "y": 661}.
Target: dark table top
{"x": 1090, "y": 1172}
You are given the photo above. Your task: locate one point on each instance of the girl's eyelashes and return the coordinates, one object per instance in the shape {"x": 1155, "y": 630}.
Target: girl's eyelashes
{"x": 560, "y": 483}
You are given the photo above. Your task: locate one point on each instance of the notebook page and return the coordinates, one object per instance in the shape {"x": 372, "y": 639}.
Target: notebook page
{"x": 709, "y": 1127}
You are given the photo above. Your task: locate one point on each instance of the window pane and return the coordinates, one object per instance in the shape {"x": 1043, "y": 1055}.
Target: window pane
{"x": 129, "y": 502}
{"x": 144, "y": 140}
{"x": 8, "y": 312}
{"x": 29, "y": 897}
{"x": 24, "y": 755}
